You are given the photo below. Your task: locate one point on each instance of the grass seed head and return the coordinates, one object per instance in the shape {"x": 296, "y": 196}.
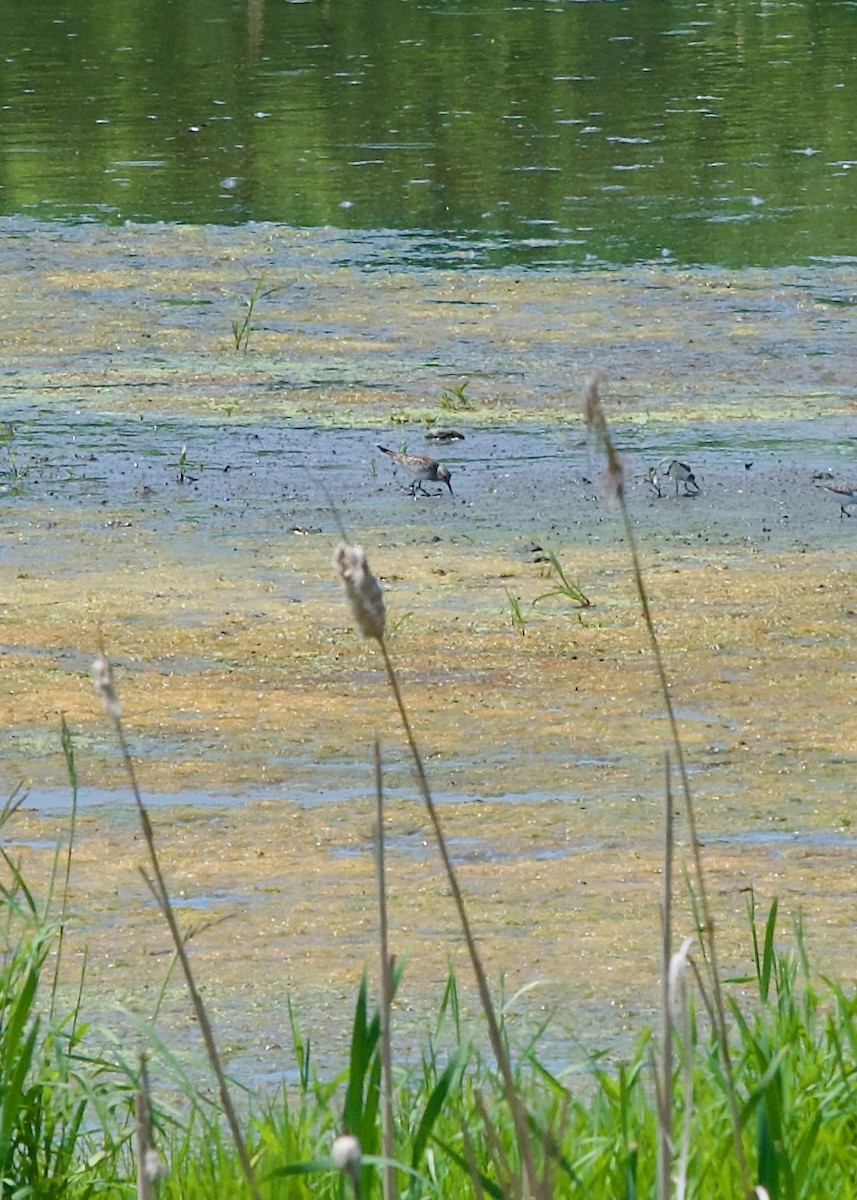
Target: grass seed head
{"x": 345, "y": 1153}
{"x": 613, "y": 478}
{"x": 676, "y": 974}
{"x": 102, "y": 678}
{"x": 362, "y": 590}
{"x": 153, "y": 1168}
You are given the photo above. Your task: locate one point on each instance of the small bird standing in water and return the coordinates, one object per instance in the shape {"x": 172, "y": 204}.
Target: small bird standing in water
{"x": 845, "y": 493}
{"x": 422, "y": 468}
{"x": 678, "y": 472}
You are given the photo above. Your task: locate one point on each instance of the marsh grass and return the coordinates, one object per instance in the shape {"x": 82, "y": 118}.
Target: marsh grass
{"x": 62, "y": 1108}
{"x": 516, "y": 613}
{"x": 455, "y": 399}
{"x": 562, "y": 586}
{"x": 242, "y": 328}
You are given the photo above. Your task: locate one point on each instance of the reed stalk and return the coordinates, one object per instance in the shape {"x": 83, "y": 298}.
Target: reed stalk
{"x": 495, "y": 1037}
{"x": 663, "y": 1093}
{"x": 149, "y": 1167}
{"x": 102, "y": 674}
{"x": 615, "y": 488}
{"x": 366, "y": 601}
{"x": 385, "y": 1008}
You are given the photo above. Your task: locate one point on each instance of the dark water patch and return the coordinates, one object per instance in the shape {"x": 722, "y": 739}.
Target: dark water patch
{"x": 464, "y": 850}
{"x": 776, "y": 841}
{"x": 50, "y": 801}
{"x": 207, "y": 901}
{"x": 243, "y": 482}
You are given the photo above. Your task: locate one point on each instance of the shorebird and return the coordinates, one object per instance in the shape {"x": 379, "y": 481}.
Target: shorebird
{"x": 444, "y": 435}
{"x": 845, "y": 493}
{"x": 678, "y": 472}
{"x": 422, "y": 468}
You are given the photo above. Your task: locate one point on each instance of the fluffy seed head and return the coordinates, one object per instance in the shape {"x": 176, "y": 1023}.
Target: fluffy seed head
{"x": 102, "y": 678}
{"x": 593, "y": 411}
{"x": 153, "y": 1167}
{"x": 345, "y": 1153}
{"x": 676, "y": 974}
{"x": 362, "y": 590}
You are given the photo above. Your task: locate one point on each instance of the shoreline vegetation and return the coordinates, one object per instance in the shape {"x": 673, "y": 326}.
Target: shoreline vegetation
{"x": 748, "y": 1087}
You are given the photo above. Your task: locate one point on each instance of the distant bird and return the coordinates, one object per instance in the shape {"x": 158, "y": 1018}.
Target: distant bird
{"x": 444, "y": 435}
{"x": 422, "y": 468}
{"x": 653, "y": 479}
{"x": 845, "y": 493}
{"x": 678, "y": 472}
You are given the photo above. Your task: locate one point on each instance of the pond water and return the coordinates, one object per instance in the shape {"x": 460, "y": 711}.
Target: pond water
{"x": 692, "y": 131}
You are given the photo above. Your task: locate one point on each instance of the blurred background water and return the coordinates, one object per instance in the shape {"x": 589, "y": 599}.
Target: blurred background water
{"x": 528, "y": 133}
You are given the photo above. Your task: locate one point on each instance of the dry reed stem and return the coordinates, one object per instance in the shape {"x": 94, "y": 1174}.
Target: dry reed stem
{"x": 387, "y": 1139}
{"x": 663, "y": 1091}
{"x": 347, "y": 1156}
{"x": 102, "y": 674}
{"x": 597, "y": 421}
{"x": 494, "y": 1036}
{"x": 679, "y": 1004}
{"x": 498, "y": 1153}
{"x": 470, "y": 1159}
{"x": 366, "y": 599}
{"x": 149, "y": 1166}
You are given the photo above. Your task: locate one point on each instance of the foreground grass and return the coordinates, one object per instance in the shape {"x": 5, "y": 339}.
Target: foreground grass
{"x": 66, "y": 1111}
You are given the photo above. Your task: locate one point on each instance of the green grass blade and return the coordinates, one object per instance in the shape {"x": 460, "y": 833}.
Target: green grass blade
{"x": 768, "y": 955}
{"x": 768, "y": 1170}
{"x": 487, "y": 1184}
{"x": 12, "y": 1089}
{"x": 352, "y": 1112}
{"x": 434, "y": 1106}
